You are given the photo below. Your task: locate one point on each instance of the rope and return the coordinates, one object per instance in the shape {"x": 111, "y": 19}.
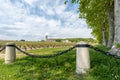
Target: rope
{"x": 45, "y": 56}
{"x": 65, "y": 51}
{"x": 104, "y": 52}
{"x": 2, "y": 48}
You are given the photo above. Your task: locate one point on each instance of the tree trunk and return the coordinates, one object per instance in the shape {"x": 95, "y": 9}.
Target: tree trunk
{"x": 117, "y": 21}
{"x": 111, "y": 34}
{"x": 111, "y": 25}
{"x": 104, "y": 36}
{"x": 114, "y": 49}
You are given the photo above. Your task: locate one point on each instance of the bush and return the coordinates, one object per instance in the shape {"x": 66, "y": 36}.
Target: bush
{"x": 58, "y": 40}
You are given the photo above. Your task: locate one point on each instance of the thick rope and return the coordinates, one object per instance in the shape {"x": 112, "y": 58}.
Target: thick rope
{"x": 45, "y": 56}
{"x": 2, "y": 48}
{"x": 104, "y": 52}
{"x": 65, "y": 51}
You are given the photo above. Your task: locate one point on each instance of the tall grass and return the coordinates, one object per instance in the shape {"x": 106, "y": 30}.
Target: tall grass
{"x": 61, "y": 68}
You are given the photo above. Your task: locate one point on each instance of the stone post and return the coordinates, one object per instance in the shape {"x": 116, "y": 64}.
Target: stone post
{"x": 82, "y": 58}
{"x": 10, "y": 53}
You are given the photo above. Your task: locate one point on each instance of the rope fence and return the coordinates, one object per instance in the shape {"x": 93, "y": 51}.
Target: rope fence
{"x": 45, "y": 56}
{"x": 104, "y": 52}
{"x": 82, "y": 55}
{"x": 63, "y": 52}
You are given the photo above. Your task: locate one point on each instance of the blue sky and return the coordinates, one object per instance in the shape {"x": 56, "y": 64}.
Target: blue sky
{"x": 33, "y": 19}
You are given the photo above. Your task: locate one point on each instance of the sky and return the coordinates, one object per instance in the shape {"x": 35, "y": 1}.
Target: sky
{"x": 33, "y": 19}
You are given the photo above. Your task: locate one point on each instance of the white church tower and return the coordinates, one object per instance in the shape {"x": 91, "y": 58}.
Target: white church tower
{"x": 46, "y": 37}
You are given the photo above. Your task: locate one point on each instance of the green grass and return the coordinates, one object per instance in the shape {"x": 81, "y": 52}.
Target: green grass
{"x": 60, "y": 68}
{"x": 118, "y": 45}
{"x": 47, "y": 51}
{"x": 103, "y": 67}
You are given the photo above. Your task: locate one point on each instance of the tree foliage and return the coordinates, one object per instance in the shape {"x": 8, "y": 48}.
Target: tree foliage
{"x": 96, "y": 14}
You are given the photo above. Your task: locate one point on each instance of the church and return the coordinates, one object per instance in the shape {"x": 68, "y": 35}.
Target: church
{"x": 49, "y": 39}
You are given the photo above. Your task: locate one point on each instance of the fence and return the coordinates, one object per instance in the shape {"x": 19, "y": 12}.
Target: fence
{"x": 82, "y": 55}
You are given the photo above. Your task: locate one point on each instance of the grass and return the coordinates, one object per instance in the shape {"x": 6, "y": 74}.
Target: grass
{"x": 104, "y": 67}
{"x": 47, "y": 51}
{"x": 118, "y": 45}
{"x": 61, "y": 67}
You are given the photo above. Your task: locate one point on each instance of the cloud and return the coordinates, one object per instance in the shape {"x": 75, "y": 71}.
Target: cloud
{"x": 30, "y": 2}
{"x": 32, "y": 19}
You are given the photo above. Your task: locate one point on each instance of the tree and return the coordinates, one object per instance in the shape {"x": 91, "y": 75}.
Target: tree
{"x": 58, "y": 40}
{"x": 117, "y": 22}
{"x": 110, "y": 14}
{"x": 114, "y": 49}
{"x": 99, "y": 15}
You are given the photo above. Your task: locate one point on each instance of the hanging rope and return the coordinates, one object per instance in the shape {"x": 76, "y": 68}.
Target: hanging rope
{"x": 2, "y": 48}
{"x": 104, "y": 52}
{"x": 65, "y": 51}
{"x": 45, "y": 56}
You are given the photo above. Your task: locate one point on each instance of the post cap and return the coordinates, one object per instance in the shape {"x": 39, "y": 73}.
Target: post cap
{"x": 10, "y": 44}
{"x": 82, "y": 44}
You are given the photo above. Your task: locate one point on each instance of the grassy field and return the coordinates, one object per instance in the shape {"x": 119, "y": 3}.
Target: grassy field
{"x": 61, "y": 67}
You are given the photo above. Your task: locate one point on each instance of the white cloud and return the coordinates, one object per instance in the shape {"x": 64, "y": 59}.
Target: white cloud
{"x": 30, "y": 2}
{"x": 55, "y": 21}
{"x": 60, "y": 9}
{"x": 50, "y": 12}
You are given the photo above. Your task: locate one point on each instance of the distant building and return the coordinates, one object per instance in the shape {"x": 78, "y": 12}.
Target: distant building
{"x": 49, "y": 39}
{"x": 54, "y": 40}
{"x": 46, "y": 37}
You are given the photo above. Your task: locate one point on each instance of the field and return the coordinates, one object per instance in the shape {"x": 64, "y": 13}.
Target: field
{"x": 32, "y": 45}
{"x": 60, "y": 68}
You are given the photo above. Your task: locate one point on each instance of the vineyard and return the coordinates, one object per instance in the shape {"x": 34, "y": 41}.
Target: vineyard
{"x": 30, "y": 45}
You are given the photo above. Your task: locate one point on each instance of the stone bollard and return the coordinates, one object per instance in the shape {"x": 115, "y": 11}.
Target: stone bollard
{"x": 82, "y": 58}
{"x": 10, "y": 54}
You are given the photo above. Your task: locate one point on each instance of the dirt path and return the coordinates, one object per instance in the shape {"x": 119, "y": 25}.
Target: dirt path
{"x": 2, "y": 56}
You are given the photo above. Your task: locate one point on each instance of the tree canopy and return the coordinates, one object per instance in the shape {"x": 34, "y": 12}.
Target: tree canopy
{"x": 97, "y": 14}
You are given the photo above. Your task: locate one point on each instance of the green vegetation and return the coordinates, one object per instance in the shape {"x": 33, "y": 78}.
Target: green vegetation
{"x": 90, "y": 40}
{"x": 36, "y": 44}
{"x": 58, "y": 40}
{"x": 99, "y": 15}
{"x": 118, "y": 45}
{"x": 104, "y": 67}
{"x": 30, "y": 45}
{"x": 47, "y": 51}
{"x": 61, "y": 67}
